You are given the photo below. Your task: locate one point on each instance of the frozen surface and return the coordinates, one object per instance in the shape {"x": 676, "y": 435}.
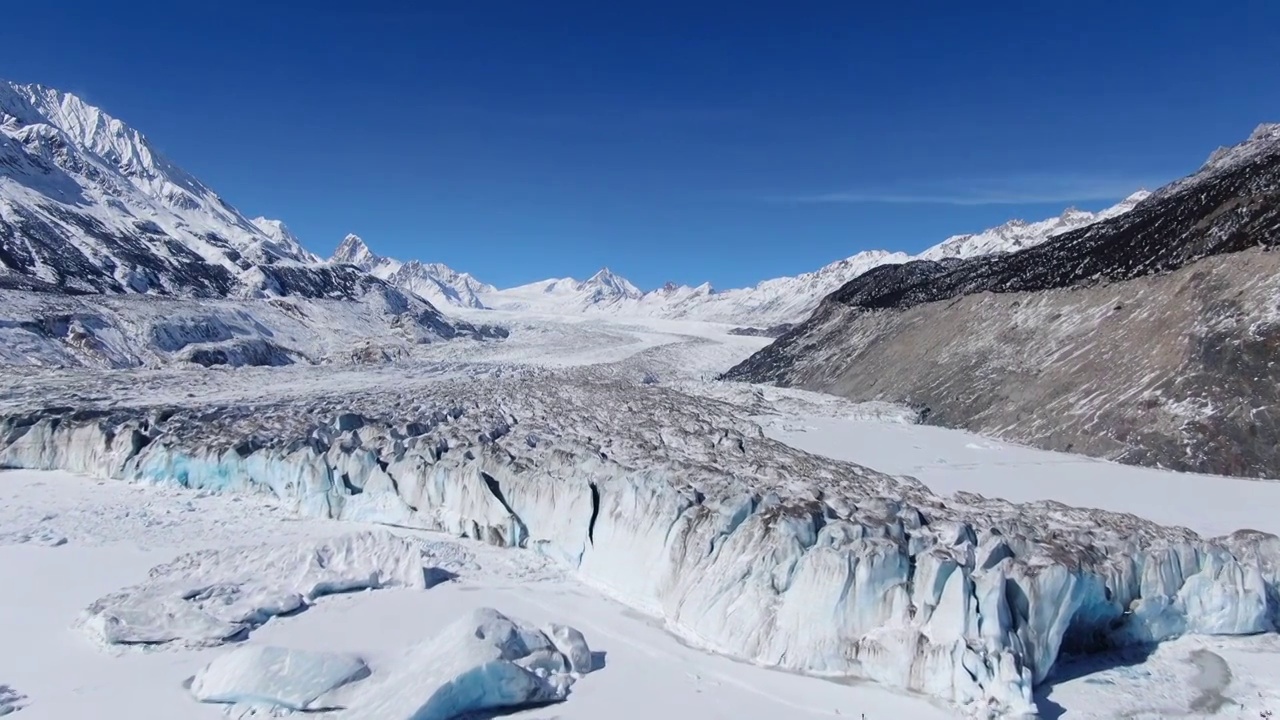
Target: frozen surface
{"x": 262, "y": 675}
{"x": 950, "y": 461}
{"x": 211, "y": 597}
{"x": 731, "y": 541}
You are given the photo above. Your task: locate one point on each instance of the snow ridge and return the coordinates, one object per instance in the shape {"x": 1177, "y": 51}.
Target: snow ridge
{"x": 437, "y": 283}
{"x": 1018, "y": 234}
{"x": 775, "y": 301}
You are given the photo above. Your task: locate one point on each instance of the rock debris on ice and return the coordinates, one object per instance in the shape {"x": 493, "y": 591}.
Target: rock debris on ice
{"x": 216, "y": 596}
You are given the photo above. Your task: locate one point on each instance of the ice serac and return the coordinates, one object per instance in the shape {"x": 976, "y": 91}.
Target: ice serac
{"x": 741, "y": 544}
{"x": 483, "y": 662}
{"x": 275, "y": 677}
{"x": 375, "y": 325}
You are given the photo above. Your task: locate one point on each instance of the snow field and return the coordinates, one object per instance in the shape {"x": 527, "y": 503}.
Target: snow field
{"x": 640, "y": 672}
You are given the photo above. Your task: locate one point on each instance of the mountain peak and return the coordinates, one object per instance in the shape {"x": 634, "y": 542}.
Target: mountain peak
{"x": 353, "y": 251}
{"x": 607, "y": 285}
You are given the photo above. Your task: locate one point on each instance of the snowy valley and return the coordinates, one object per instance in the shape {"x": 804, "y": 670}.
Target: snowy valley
{"x": 240, "y": 480}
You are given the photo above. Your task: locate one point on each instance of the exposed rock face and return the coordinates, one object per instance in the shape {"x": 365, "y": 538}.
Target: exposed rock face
{"x": 1147, "y": 338}
{"x": 740, "y": 543}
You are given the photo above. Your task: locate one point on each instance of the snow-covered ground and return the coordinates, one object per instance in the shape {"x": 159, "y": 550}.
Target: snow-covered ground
{"x": 953, "y": 460}
{"x": 73, "y": 541}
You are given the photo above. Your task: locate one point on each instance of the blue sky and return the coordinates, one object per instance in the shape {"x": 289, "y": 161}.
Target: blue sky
{"x": 684, "y": 141}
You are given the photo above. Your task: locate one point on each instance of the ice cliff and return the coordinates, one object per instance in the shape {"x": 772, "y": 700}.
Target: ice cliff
{"x": 740, "y": 544}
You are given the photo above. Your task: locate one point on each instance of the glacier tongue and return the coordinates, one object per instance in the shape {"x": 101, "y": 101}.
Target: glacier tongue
{"x": 741, "y": 544}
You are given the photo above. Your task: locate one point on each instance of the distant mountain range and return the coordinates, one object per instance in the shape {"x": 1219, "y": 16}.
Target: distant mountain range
{"x": 88, "y": 206}
{"x": 436, "y": 282}
{"x": 772, "y": 302}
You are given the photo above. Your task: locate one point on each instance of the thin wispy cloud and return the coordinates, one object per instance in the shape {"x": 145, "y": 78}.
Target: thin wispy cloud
{"x": 1013, "y": 190}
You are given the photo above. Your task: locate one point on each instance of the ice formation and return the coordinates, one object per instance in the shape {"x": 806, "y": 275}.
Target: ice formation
{"x": 485, "y": 661}
{"x": 741, "y": 544}
{"x": 260, "y": 675}
{"x": 216, "y": 596}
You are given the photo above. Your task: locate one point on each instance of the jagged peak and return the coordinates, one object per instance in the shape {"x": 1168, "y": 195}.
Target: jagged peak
{"x": 353, "y": 251}
{"x": 608, "y": 282}
{"x": 604, "y": 274}
{"x": 1266, "y": 131}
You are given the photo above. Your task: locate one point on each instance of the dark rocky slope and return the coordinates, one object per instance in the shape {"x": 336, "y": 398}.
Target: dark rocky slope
{"x": 1150, "y": 338}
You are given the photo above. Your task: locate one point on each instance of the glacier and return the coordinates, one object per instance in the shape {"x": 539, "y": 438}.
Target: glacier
{"x": 740, "y": 544}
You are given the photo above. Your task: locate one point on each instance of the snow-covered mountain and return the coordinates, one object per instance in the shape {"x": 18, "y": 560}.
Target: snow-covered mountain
{"x": 436, "y": 282}
{"x": 1019, "y": 234}
{"x": 604, "y": 291}
{"x": 779, "y": 300}
{"x": 88, "y": 205}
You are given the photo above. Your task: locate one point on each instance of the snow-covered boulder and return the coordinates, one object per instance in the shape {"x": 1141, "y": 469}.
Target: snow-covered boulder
{"x": 214, "y": 596}
{"x": 276, "y": 677}
{"x": 483, "y": 662}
